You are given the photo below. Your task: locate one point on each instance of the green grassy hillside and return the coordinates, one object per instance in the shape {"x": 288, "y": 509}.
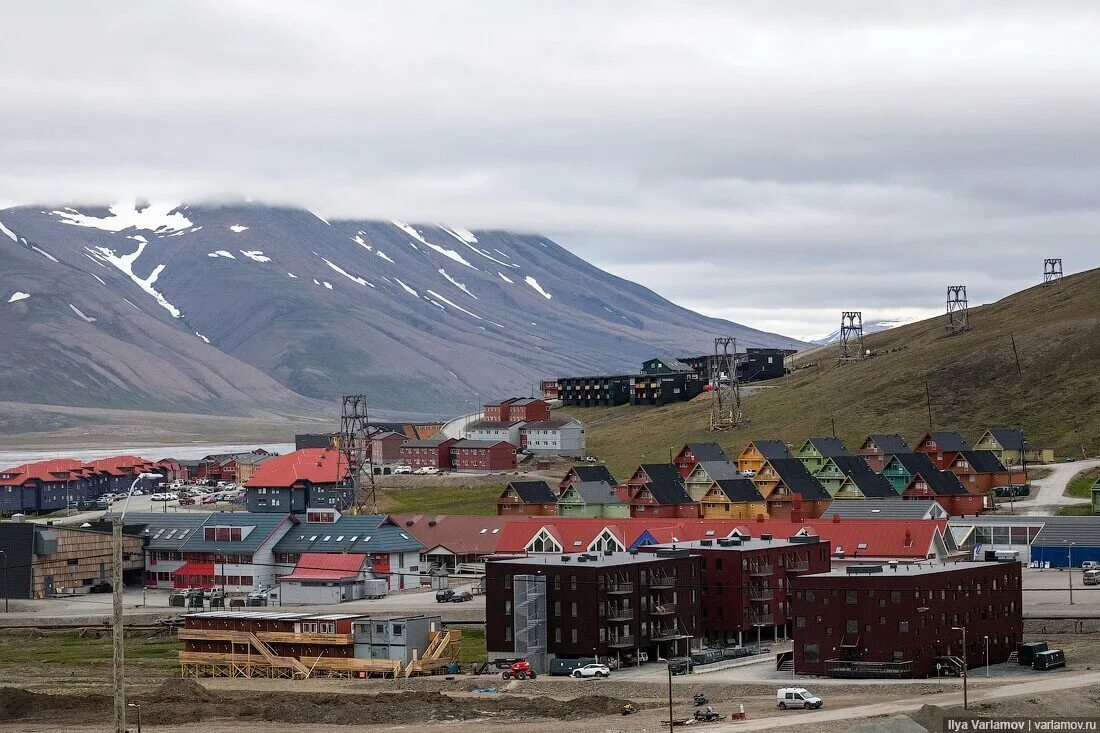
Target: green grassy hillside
{"x": 972, "y": 378}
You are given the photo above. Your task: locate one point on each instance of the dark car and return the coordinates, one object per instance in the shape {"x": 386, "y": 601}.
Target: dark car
{"x": 444, "y": 596}
{"x": 462, "y": 597}
{"x": 680, "y": 666}
{"x": 101, "y": 587}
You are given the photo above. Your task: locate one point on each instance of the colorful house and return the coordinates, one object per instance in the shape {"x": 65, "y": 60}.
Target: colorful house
{"x": 1011, "y": 447}
{"x": 859, "y": 481}
{"x": 577, "y": 474}
{"x": 816, "y": 451}
{"x": 694, "y": 453}
{"x": 787, "y": 480}
{"x": 980, "y": 472}
{"x": 756, "y": 453}
{"x": 657, "y": 490}
{"x": 925, "y": 481}
{"x": 941, "y": 447}
{"x": 705, "y": 473}
{"x": 592, "y": 499}
{"x": 530, "y": 498}
{"x": 880, "y": 447}
{"x": 732, "y": 498}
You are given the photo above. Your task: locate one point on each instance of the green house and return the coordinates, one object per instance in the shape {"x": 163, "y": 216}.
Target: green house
{"x": 830, "y": 476}
{"x": 816, "y": 451}
{"x": 592, "y": 499}
{"x": 860, "y": 482}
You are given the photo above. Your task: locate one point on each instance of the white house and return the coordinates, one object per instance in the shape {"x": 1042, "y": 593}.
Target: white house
{"x": 553, "y": 437}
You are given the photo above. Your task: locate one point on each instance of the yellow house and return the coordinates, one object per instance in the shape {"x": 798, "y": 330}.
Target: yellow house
{"x": 756, "y": 453}
{"x": 1011, "y": 447}
{"x": 733, "y": 498}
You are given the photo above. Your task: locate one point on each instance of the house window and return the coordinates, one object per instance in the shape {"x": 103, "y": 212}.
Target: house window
{"x": 903, "y": 627}
{"x": 573, "y": 609}
{"x": 851, "y": 626}
{"x": 557, "y": 635}
{"x": 811, "y": 653}
{"x": 850, "y": 597}
{"x": 507, "y": 633}
{"x": 573, "y": 634}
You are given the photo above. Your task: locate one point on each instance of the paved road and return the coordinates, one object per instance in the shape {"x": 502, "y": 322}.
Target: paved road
{"x": 1048, "y": 494}
{"x": 455, "y": 427}
{"x": 142, "y": 503}
{"x": 1047, "y": 684}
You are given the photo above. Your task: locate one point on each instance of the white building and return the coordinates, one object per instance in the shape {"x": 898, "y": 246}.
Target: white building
{"x": 495, "y": 431}
{"x": 553, "y": 437}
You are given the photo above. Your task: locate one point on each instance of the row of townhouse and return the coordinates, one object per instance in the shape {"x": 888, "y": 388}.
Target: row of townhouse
{"x": 526, "y": 423}
{"x": 46, "y": 486}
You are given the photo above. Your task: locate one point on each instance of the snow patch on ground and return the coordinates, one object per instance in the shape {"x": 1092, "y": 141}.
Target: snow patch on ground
{"x": 409, "y": 230}
{"x": 408, "y": 290}
{"x": 385, "y": 256}
{"x": 159, "y": 217}
{"x": 454, "y": 305}
{"x": 131, "y": 304}
{"x": 359, "y": 240}
{"x": 137, "y": 238}
{"x": 97, "y": 277}
{"x": 316, "y": 283}
{"x": 17, "y": 296}
{"x": 463, "y": 235}
{"x": 327, "y": 284}
{"x": 505, "y": 278}
{"x": 535, "y": 284}
{"x": 221, "y": 253}
{"x": 237, "y": 228}
{"x": 346, "y": 274}
{"x": 255, "y": 254}
{"x": 125, "y": 263}
{"x": 320, "y": 217}
{"x": 457, "y": 284}
{"x": 9, "y": 232}
{"x": 205, "y": 340}
{"x": 80, "y": 313}
{"x": 44, "y": 253}
{"x": 291, "y": 274}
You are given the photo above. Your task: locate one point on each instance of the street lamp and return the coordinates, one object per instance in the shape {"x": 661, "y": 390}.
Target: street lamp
{"x": 966, "y": 691}
{"x": 138, "y": 708}
{"x": 986, "y": 637}
{"x": 1069, "y": 549}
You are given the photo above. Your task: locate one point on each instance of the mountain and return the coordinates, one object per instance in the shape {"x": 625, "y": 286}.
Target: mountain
{"x": 972, "y": 379}
{"x": 869, "y": 327}
{"x": 245, "y": 308}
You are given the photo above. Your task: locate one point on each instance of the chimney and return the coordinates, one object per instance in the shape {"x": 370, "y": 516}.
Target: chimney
{"x": 836, "y": 519}
{"x": 760, "y": 518}
{"x": 796, "y": 512}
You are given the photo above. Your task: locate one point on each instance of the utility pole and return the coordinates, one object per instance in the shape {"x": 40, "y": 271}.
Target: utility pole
{"x": 4, "y": 581}
{"x": 118, "y": 662}
{"x": 966, "y": 689}
{"x": 928, "y": 402}
{"x": 1019, "y": 369}
{"x": 670, "y": 693}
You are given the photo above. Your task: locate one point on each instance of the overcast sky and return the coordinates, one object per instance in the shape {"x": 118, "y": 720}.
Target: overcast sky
{"x": 773, "y": 163}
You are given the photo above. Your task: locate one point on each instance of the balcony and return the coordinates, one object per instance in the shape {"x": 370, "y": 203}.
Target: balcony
{"x": 868, "y": 670}
{"x": 757, "y": 593}
{"x": 620, "y": 614}
{"x": 760, "y": 619}
{"x": 623, "y": 641}
{"x": 761, "y": 570}
{"x": 663, "y": 609}
{"x": 667, "y": 633}
{"x": 662, "y": 582}
{"x": 799, "y": 567}
{"x": 620, "y": 587}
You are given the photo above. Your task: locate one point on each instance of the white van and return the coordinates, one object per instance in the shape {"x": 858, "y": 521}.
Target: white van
{"x": 1092, "y": 577}
{"x": 796, "y": 697}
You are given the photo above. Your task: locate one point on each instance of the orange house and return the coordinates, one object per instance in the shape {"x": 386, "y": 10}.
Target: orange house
{"x": 787, "y": 479}
{"x": 756, "y": 453}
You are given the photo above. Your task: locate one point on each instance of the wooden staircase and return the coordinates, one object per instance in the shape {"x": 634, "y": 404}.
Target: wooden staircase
{"x": 445, "y": 648}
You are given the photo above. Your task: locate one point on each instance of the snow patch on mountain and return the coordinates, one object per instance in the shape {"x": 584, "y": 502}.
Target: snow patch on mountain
{"x": 291, "y": 274}
{"x": 506, "y": 279}
{"x": 125, "y": 263}
{"x": 137, "y": 238}
{"x": 358, "y": 239}
{"x": 320, "y": 217}
{"x": 408, "y": 290}
{"x": 255, "y": 254}
{"x": 44, "y": 253}
{"x": 457, "y": 284}
{"x": 158, "y": 217}
{"x": 238, "y": 228}
{"x": 205, "y": 340}
{"x": 221, "y": 253}
{"x": 535, "y": 284}
{"x": 462, "y": 235}
{"x": 347, "y": 274}
{"x": 17, "y": 296}
{"x": 385, "y": 256}
{"x": 454, "y": 305}
{"x": 81, "y": 313}
{"x": 97, "y": 277}
{"x": 9, "y": 232}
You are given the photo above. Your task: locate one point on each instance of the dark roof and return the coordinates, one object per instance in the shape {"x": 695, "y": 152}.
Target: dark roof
{"x": 888, "y": 508}
{"x": 798, "y": 479}
{"x": 595, "y": 473}
{"x": 829, "y": 447}
{"x": 772, "y": 449}
{"x": 1057, "y": 531}
{"x": 662, "y": 473}
{"x": 492, "y": 424}
{"x": 915, "y": 463}
{"x": 596, "y": 492}
{"x": 949, "y": 440}
{"x": 942, "y": 483}
{"x": 871, "y": 484}
{"x": 1010, "y": 438}
{"x": 984, "y": 461}
{"x": 669, "y": 492}
{"x": 673, "y": 365}
{"x": 426, "y": 442}
{"x": 707, "y": 452}
{"x": 167, "y": 530}
{"x": 718, "y": 470}
{"x": 534, "y": 492}
{"x": 467, "y": 443}
{"x": 739, "y": 489}
{"x": 364, "y": 533}
{"x": 890, "y": 443}
{"x": 259, "y": 528}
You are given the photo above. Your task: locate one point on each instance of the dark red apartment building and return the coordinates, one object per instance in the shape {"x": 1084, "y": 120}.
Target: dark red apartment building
{"x": 431, "y": 453}
{"x": 606, "y": 604}
{"x": 745, "y": 583}
{"x": 482, "y": 455}
{"x": 904, "y": 620}
{"x": 518, "y": 409}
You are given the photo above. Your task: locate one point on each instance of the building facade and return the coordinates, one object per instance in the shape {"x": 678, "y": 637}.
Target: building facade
{"x": 595, "y": 390}
{"x": 483, "y": 455}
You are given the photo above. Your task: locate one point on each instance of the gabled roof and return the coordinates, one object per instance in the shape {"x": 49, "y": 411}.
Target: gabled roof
{"x": 948, "y": 440}
{"x": 772, "y": 449}
{"x": 739, "y": 490}
{"x": 889, "y": 443}
{"x": 435, "y": 442}
{"x": 871, "y": 484}
{"x": 594, "y": 473}
{"x": 707, "y": 452}
{"x": 798, "y": 479}
{"x": 658, "y": 473}
{"x": 388, "y": 435}
{"x": 315, "y": 465}
{"x": 942, "y": 483}
{"x": 596, "y": 492}
{"x": 364, "y": 533}
{"x": 914, "y": 463}
{"x": 327, "y": 566}
{"x": 1010, "y": 438}
{"x": 467, "y": 443}
{"x": 829, "y": 447}
{"x": 258, "y": 529}
{"x": 550, "y": 424}
{"x": 573, "y": 534}
{"x": 492, "y": 424}
{"x": 457, "y": 533}
{"x": 533, "y": 492}
{"x": 165, "y": 531}
{"x": 983, "y": 461}
{"x": 890, "y": 508}
{"x": 716, "y": 470}
{"x": 672, "y": 365}
{"x": 667, "y": 493}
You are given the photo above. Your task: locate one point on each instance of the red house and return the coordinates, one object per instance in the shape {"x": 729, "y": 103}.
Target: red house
{"x": 483, "y": 455}
{"x": 980, "y": 472}
{"x": 879, "y": 447}
{"x": 550, "y": 390}
{"x": 693, "y": 454}
{"x": 942, "y": 446}
{"x": 385, "y": 446}
{"x": 518, "y": 409}
{"x": 945, "y": 488}
{"x": 657, "y": 490}
{"x": 431, "y": 453}
{"x": 528, "y": 498}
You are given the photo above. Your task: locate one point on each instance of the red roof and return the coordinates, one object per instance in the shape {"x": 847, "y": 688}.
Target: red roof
{"x": 462, "y": 534}
{"x": 51, "y": 470}
{"x": 315, "y": 465}
{"x": 327, "y": 566}
{"x": 574, "y": 534}
{"x": 201, "y": 569}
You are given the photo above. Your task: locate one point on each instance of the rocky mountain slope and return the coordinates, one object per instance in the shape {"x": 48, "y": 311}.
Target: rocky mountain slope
{"x": 253, "y": 308}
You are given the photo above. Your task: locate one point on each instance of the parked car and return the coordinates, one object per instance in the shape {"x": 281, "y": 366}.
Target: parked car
{"x": 591, "y": 670}
{"x": 444, "y": 596}
{"x": 212, "y": 498}
{"x": 682, "y": 665}
{"x": 1050, "y": 659}
{"x": 402, "y": 469}
{"x": 187, "y": 500}
{"x": 797, "y": 697}
{"x": 1090, "y": 565}
{"x": 104, "y": 586}
{"x": 462, "y": 597}
{"x": 426, "y": 471}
